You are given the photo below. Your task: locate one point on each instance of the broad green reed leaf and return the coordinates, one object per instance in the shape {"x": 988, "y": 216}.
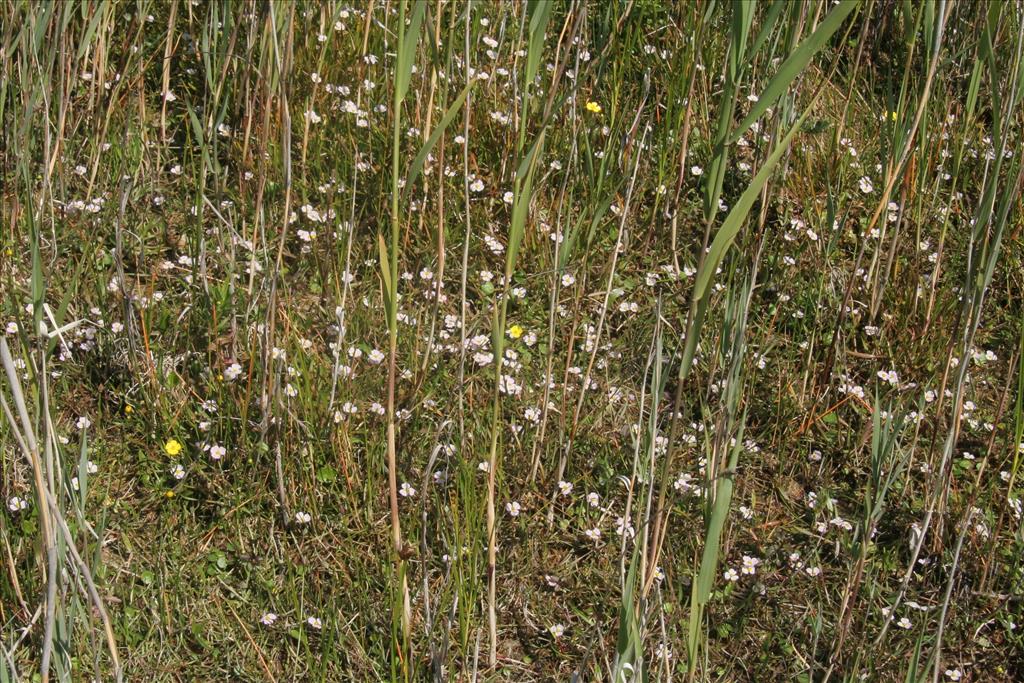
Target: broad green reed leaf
{"x": 416, "y": 166}
{"x": 795, "y": 64}
{"x": 407, "y": 52}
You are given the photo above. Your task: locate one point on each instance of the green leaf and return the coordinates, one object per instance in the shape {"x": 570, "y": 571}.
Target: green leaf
{"x": 326, "y": 475}
{"x": 795, "y": 64}
{"x": 407, "y": 48}
{"x": 417, "y": 164}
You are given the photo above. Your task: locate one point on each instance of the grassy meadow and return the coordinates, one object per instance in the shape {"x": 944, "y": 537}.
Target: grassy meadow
{"x": 506, "y": 340}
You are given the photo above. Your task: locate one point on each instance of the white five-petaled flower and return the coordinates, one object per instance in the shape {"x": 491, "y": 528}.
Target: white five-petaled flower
{"x": 232, "y": 372}
{"x": 268, "y": 618}
{"x": 513, "y": 508}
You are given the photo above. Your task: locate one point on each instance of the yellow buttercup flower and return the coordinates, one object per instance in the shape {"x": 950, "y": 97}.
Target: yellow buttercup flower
{"x": 516, "y": 331}
{"x": 593, "y": 107}
{"x": 128, "y": 410}
{"x": 172, "y": 447}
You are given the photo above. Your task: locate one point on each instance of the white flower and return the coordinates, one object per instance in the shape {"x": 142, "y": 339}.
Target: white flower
{"x": 178, "y": 472}
{"x": 750, "y": 565}
{"x": 568, "y": 280}
{"x": 484, "y": 466}
{"x": 375, "y": 356}
{"x": 730, "y": 574}
{"x": 557, "y": 630}
{"x": 953, "y": 674}
{"x": 813, "y": 571}
{"x": 232, "y": 372}
{"x": 593, "y": 534}
{"x": 696, "y": 170}
{"x": 268, "y": 618}
{"x": 513, "y": 508}
{"x": 302, "y": 517}
{"x": 406, "y": 491}
{"x": 865, "y": 185}
{"x": 83, "y": 422}
{"x": 314, "y": 622}
{"x": 16, "y": 504}
{"x": 217, "y": 451}
{"x": 904, "y": 623}
{"x": 593, "y": 500}
{"x": 565, "y": 487}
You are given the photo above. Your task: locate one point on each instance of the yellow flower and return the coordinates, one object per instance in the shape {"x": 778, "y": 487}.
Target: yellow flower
{"x": 169, "y": 494}
{"x": 172, "y": 447}
{"x": 593, "y": 107}
{"x": 128, "y": 410}
{"x": 516, "y": 331}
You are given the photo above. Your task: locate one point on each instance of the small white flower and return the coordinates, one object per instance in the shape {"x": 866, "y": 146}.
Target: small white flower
{"x": 83, "y": 422}
{"x": 178, "y": 472}
{"x": 904, "y": 623}
{"x": 565, "y": 487}
{"x": 557, "y": 630}
{"x": 217, "y": 451}
{"x": 314, "y": 622}
{"x": 730, "y": 574}
{"x": 513, "y": 508}
{"x": 593, "y": 534}
{"x": 16, "y": 504}
{"x": 406, "y": 491}
{"x": 232, "y": 372}
{"x": 268, "y": 618}
{"x": 302, "y": 517}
